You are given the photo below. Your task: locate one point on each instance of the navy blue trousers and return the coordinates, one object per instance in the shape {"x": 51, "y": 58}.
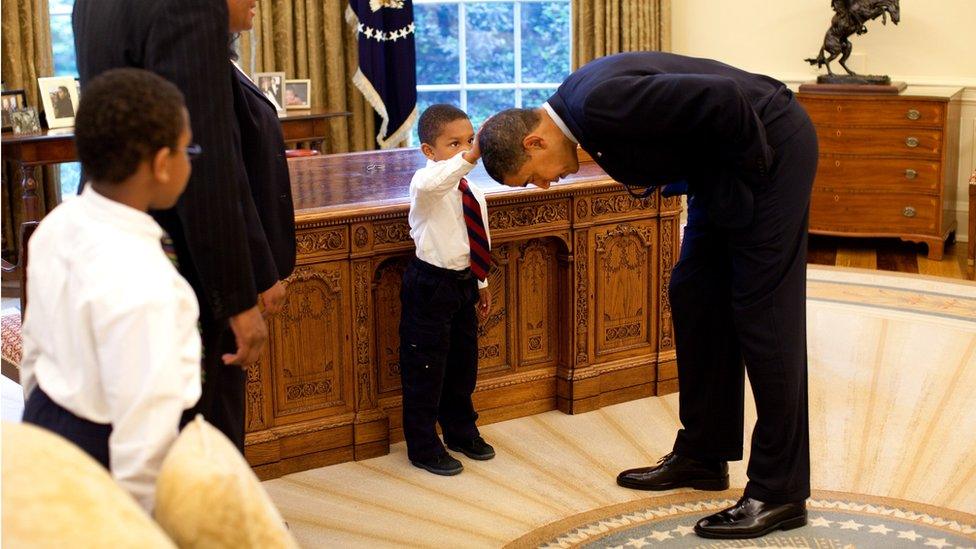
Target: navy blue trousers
{"x": 438, "y": 357}
{"x": 738, "y": 298}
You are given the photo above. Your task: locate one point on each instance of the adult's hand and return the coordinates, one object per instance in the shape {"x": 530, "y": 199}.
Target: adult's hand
{"x": 273, "y": 299}
{"x": 251, "y": 333}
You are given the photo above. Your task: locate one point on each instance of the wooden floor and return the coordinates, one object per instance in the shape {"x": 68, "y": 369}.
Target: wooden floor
{"x": 886, "y": 254}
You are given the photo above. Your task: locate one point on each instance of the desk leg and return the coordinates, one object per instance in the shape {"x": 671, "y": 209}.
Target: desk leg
{"x": 28, "y": 182}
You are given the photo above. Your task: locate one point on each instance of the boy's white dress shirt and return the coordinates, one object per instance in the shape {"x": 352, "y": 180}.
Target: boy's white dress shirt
{"x": 436, "y": 215}
{"x": 110, "y": 331}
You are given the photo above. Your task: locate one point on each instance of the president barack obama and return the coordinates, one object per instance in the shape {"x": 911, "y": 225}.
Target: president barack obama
{"x": 744, "y": 151}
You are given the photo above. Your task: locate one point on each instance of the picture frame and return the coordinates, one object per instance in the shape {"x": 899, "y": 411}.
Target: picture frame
{"x": 10, "y": 101}
{"x": 59, "y": 95}
{"x": 298, "y": 94}
{"x": 25, "y": 121}
{"x": 272, "y": 85}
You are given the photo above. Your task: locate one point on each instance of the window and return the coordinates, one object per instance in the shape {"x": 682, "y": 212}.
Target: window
{"x": 63, "y": 45}
{"x": 62, "y": 38}
{"x": 488, "y": 55}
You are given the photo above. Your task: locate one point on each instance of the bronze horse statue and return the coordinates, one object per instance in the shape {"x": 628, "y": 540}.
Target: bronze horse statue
{"x": 849, "y": 18}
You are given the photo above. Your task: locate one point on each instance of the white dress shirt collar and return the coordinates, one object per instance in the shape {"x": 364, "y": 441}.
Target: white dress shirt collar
{"x": 124, "y": 217}
{"x": 559, "y": 122}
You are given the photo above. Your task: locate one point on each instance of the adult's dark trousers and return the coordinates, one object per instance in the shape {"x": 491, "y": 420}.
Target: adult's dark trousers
{"x": 222, "y": 399}
{"x": 738, "y": 297}
{"x": 438, "y": 357}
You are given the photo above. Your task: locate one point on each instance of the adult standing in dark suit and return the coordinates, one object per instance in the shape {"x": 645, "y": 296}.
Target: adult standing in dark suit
{"x": 185, "y": 41}
{"x": 263, "y": 147}
{"x": 746, "y": 153}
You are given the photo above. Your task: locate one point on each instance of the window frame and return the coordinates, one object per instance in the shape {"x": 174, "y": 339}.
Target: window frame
{"x": 517, "y": 85}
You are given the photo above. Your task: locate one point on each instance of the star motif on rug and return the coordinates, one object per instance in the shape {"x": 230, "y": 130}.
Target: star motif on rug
{"x": 821, "y": 522}
{"x": 880, "y": 529}
{"x": 636, "y": 543}
{"x": 850, "y": 525}
{"x": 940, "y": 543}
{"x": 908, "y": 534}
{"x": 684, "y": 530}
{"x": 660, "y": 536}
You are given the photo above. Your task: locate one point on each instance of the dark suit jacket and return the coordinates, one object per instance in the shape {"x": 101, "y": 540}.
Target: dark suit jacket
{"x": 186, "y": 42}
{"x": 651, "y": 119}
{"x": 263, "y": 147}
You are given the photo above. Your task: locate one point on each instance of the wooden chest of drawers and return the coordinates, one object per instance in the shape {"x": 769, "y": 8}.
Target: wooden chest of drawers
{"x": 888, "y": 164}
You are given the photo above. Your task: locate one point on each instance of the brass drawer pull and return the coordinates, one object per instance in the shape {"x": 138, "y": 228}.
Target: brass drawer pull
{"x": 912, "y": 142}
{"x": 908, "y": 211}
{"x": 913, "y": 114}
{"x": 910, "y": 174}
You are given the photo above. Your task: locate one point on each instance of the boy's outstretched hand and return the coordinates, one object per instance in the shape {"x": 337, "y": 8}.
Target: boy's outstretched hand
{"x": 484, "y": 304}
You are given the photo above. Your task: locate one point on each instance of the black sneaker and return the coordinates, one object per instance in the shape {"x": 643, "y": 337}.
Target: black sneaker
{"x": 475, "y": 448}
{"x": 444, "y": 465}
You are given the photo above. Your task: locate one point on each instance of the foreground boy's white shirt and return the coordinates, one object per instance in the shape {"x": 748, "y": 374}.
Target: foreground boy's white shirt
{"x": 436, "y": 215}
{"x": 110, "y": 331}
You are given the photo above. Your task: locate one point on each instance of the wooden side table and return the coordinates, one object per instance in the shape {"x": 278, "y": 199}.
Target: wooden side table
{"x": 28, "y": 152}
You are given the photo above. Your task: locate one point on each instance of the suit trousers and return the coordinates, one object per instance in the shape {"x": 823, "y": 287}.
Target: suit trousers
{"x": 438, "y": 357}
{"x": 222, "y": 399}
{"x": 739, "y": 296}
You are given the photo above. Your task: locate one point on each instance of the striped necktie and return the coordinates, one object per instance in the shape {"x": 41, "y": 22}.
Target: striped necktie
{"x": 169, "y": 249}
{"x": 477, "y": 236}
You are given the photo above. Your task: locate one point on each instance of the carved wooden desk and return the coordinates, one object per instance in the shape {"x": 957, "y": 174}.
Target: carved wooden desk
{"x": 580, "y": 313}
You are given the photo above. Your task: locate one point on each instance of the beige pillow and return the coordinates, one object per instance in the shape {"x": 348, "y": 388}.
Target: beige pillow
{"x": 56, "y": 495}
{"x": 207, "y": 495}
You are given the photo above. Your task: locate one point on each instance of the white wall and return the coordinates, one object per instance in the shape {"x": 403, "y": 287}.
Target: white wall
{"x": 934, "y": 44}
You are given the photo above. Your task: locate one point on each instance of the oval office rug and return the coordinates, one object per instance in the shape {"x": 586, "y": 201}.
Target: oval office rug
{"x": 836, "y": 520}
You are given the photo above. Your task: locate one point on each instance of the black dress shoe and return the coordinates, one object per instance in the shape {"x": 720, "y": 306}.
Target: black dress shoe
{"x": 475, "y": 448}
{"x": 444, "y": 465}
{"x": 674, "y": 471}
{"x": 751, "y": 518}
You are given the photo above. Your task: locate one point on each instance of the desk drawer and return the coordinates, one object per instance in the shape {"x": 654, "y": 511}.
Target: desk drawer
{"x": 878, "y": 174}
{"x": 855, "y": 212}
{"x": 910, "y": 114}
{"x": 903, "y": 142}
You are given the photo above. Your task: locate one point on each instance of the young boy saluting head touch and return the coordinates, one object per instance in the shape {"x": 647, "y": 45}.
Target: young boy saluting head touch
{"x": 111, "y": 348}
{"x": 444, "y": 293}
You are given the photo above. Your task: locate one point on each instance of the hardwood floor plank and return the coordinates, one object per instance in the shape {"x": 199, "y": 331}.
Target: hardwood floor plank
{"x": 894, "y": 255}
{"x": 953, "y": 265}
{"x": 821, "y": 251}
{"x": 861, "y": 257}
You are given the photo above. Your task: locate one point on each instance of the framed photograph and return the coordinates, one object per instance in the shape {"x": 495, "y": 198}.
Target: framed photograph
{"x": 59, "y": 95}
{"x": 298, "y": 94}
{"x": 272, "y": 85}
{"x": 11, "y": 101}
{"x": 25, "y": 121}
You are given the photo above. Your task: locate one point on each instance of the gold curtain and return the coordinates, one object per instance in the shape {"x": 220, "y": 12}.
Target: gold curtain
{"x": 312, "y": 39}
{"x": 604, "y": 27}
{"x": 27, "y": 54}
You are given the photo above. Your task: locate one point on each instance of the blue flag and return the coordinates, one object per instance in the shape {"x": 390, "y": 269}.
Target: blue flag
{"x": 387, "y": 64}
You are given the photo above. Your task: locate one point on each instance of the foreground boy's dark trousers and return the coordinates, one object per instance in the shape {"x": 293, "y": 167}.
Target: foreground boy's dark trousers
{"x": 438, "y": 357}
{"x": 739, "y": 295}
{"x": 91, "y": 437}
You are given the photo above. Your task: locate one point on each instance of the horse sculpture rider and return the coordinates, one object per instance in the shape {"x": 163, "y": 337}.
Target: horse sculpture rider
{"x": 849, "y": 18}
